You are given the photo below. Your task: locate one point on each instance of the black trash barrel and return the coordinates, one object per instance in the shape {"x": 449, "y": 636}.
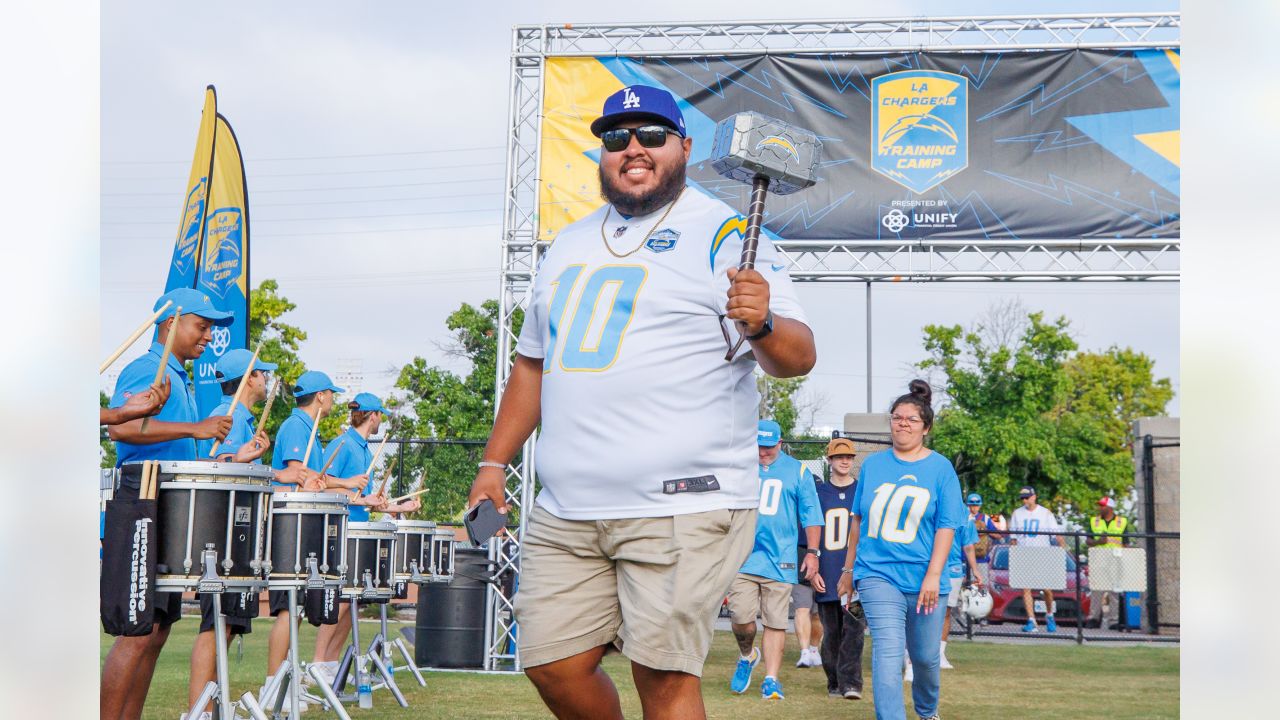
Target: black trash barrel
{"x": 450, "y": 627}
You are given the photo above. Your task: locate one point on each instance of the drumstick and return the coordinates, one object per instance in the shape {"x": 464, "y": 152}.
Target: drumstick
{"x": 164, "y": 358}
{"x": 213, "y": 451}
{"x": 377, "y": 454}
{"x": 402, "y": 498}
{"x": 155, "y": 481}
{"x": 144, "y": 479}
{"x": 133, "y": 338}
{"x": 271, "y": 397}
{"x": 315, "y": 425}
{"x": 333, "y": 455}
{"x": 387, "y": 475}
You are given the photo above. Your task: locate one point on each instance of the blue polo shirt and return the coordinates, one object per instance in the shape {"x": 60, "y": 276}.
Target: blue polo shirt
{"x": 136, "y": 377}
{"x": 243, "y": 428}
{"x": 291, "y": 443}
{"x": 787, "y": 493}
{"x": 353, "y": 459}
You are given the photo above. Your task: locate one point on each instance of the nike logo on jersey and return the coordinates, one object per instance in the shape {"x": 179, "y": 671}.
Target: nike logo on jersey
{"x": 777, "y": 268}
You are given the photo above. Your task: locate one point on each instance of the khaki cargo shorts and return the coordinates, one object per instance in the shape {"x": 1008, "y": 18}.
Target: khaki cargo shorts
{"x": 651, "y": 587}
{"x": 751, "y": 596}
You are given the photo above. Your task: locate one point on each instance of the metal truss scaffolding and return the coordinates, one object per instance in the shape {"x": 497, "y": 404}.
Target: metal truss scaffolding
{"x": 816, "y": 261}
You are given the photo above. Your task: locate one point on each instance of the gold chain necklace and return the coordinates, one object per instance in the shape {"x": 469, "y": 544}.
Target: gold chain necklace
{"x": 605, "y": 221}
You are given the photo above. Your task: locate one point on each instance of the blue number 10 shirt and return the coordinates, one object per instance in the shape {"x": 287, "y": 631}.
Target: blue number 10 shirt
{"x": 787, "y": 492}
{"x": 901, "y": 505}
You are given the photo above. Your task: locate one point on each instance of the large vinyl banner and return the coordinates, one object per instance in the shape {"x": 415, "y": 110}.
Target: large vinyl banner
{"x": 1018, "y": 145}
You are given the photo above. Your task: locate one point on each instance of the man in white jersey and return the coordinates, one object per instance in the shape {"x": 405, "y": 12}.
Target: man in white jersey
{"x": 1029, "y": 523}
{"x": 622, "y": 351}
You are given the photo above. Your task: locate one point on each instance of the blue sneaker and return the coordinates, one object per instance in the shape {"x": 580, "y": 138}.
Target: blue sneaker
{"x": 1030, "y": 626}
{"x": 771, "y": 689}
{"x": 1050, "y": 624}
{"x": 742, "y": 673}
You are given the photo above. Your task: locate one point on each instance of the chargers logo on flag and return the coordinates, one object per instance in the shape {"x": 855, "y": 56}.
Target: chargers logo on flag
{"x": 222, "y": 262}
{"x": 919, "y": 127}
{"x": 191, "y": 224}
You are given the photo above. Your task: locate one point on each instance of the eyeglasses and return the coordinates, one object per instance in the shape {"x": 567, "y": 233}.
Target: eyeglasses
{"x": 900, "y": 420}
{"x": 650, "y": 136}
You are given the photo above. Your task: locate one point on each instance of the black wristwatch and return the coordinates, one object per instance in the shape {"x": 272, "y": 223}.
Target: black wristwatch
{"x": 766, "y": 328}
{"x": 813, "y": 551}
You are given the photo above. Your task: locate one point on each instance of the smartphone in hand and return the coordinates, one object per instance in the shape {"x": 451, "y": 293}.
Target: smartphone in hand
{"x": 483, "y": 522}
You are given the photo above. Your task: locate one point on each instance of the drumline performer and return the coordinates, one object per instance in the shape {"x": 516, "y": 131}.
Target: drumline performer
{"x": 314, "y": 393}
{"x": 138, "y": 406}
{"x": 348, "y": 474}
{"x": 243, "y": 444}
{"x": 171, "y": 435}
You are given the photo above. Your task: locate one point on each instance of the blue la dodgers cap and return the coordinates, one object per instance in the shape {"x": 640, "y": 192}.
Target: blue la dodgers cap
{"x": 192, "y": 302}
{"x": 235, "y": 363}
{"x": 973, "y": 499}
{"x": 367, "y": 402}
{"x": 768, "y": 433}
{"x": 639, "y": 102}
{"x": 313, "y": 381}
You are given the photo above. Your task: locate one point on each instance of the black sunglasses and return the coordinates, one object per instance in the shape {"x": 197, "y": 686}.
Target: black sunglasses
{"x": 650, "y": 136}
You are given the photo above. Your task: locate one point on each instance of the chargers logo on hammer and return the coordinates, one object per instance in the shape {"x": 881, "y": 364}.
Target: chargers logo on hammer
{"x": 919, "y": 127}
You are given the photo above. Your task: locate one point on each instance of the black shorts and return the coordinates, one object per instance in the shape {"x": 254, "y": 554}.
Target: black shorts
{"x": 236, "y": 625}
{"x": 168, "y": 607}
{"x": 279, "y": 601}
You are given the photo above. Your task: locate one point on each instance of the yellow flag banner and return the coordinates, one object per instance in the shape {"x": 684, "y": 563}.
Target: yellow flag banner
{"x": 186, "y": 248}
{"x": 224, "y": 259}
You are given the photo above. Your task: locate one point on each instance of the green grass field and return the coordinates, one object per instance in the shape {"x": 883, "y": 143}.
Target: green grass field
{"x": 990, "y": 681}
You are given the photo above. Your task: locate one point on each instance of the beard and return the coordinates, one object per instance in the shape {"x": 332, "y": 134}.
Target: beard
{"x": 670, "y": 183}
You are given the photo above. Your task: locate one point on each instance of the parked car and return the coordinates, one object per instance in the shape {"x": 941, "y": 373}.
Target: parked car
{"x": 1007, "y": 601}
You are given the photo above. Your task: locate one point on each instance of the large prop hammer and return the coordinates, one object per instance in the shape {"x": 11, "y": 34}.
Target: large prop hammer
{"x": 771, "y": 156}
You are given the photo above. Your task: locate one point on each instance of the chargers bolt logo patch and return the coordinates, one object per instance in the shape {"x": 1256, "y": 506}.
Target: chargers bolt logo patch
{"x": 919, "y": 127}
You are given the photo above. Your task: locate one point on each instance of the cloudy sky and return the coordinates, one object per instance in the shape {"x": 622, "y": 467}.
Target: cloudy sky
{"x": 374, "y": 146}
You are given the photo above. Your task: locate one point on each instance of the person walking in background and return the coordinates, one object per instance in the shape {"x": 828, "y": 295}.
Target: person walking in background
{"x": 987, "y": 530}
{"x": 843, "y": 623}
{"x": 1107, "y": 529}
{"x": 907, "y": 508}
{"x": 1029, "y": 524}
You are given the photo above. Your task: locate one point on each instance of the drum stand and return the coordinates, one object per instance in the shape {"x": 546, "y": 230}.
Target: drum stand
{"x": 224, "y": 708}
{"x": 382, "y": 644}
{"x": 291, "y": 669}
{"x": 352, "y": 657}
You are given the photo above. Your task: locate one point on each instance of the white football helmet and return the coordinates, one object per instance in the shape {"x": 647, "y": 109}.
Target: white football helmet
{"x": 975, "y": 602}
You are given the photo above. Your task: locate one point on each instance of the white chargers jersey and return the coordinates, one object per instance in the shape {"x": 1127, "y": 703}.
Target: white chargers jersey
{"x": 641, "y": 414}
{"x": 1030, "y": 525}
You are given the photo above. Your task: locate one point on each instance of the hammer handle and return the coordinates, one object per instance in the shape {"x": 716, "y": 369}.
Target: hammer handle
{"x": 755, "y": 216}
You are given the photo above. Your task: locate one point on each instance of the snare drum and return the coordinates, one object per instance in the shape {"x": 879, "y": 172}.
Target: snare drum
{"x": 442, "y": 543}
{"x": 370, "y": 546}
{"x": 413, "y": 547}
{"x": 302, "y": 524}
{"x": 226, "y": 505}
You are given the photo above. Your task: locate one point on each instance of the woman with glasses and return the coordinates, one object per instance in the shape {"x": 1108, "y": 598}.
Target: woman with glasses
{"x": 906, "y": 509}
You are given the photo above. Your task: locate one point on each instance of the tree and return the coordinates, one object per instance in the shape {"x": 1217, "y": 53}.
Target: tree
{"x": 778, "y": 400}
{"x": 107, "y": 458}
{"x": 445, "y": 406}
{"x": 1029, "y": 412}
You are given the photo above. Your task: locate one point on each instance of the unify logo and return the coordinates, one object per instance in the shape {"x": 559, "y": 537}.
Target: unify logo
{"x": 629, "y": 99}
{"x": 138, "y": 570}
{"x": 895, "y": 220}
{"x": 221, "y": 340}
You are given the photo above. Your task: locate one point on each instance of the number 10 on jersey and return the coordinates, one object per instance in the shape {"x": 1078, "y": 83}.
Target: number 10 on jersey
{"x": 599, "y": 320}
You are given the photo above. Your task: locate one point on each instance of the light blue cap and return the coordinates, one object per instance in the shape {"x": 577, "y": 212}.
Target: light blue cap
{"x": 192, "y": 302}
{"x": 367, "y": 402}
{"x": 973, "y": 499}
{"x": 313, "y": 381}
{"x": 234, "y": 363}
{"x": 768, "y": 433}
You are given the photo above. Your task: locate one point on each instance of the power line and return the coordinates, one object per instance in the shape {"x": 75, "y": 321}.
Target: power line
{"x": 321, "y": 189}
{"x": 317, "y": 157}
{"x": 254, "y": 175}
{"x": 169, "y": 206}
{"x": 310, "y": 219}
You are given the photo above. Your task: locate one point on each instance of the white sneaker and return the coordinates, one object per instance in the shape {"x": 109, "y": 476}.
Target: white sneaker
{"x": 803, "y": 662}
{"x": 910, "y": 673}
{"x": 942, "y": 654}
{"x": 206, "y": 715}
{"x": 815, "y": 657}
